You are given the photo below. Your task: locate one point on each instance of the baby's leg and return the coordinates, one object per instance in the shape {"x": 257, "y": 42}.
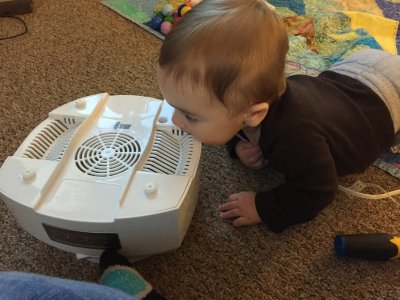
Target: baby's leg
{"x": 380, "y": 71}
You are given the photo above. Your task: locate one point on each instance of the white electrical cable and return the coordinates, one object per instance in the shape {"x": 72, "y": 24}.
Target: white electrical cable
{"x": 356, "y": 188}
{"x": 369, "y": 196}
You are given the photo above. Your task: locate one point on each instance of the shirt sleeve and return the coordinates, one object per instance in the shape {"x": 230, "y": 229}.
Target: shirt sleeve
{"x": 310, "y": 180}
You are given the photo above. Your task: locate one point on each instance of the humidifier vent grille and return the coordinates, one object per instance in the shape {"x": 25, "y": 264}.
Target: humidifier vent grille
{"x": 170, "y": 155}
{"x": 107, "y": 154}
{"x": 56, "y": 151}
{"x": 44, "y": 140}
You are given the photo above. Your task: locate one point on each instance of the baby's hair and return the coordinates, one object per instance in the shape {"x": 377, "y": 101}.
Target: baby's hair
{"x": 236, "y": 49}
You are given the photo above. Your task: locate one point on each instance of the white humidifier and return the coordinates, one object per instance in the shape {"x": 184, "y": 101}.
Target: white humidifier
{"x": 105, "y": 172}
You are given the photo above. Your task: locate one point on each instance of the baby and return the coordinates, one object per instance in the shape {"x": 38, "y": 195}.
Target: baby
{"x": 222, "y": 69}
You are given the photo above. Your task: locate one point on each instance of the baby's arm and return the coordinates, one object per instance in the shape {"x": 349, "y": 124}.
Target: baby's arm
{"x": 310, "y": 182}
{"x": 242, "y": 208}
{"x": 250, "y": 155}
{"x": 310, "y": 185}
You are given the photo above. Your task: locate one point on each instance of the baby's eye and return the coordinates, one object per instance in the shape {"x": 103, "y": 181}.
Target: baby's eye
{"x": 190, "y": 118}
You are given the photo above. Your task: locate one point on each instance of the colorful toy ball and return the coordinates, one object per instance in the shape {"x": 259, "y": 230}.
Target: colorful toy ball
{"x": 155, "y": 22}
{"x": 169, "y": 19}
{"x": 165, "y": 27}
{"x": 167, "y": 10}
{"x": 183, "y": 9}
{"x": 176, "y": 19}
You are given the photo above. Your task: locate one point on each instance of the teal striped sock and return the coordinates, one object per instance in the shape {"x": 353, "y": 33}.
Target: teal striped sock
{"x": 126, "y": 279}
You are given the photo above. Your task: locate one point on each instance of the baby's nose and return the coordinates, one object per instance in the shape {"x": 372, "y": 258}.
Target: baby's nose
{"x": 177, "y": 120}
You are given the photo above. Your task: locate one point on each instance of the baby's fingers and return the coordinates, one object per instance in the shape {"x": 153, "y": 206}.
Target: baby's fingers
{"x": 233, "y": 213}
{"x": 227, "y": 206}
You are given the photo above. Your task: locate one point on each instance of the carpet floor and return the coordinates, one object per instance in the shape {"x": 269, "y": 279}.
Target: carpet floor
{"x": 79, "y": 48}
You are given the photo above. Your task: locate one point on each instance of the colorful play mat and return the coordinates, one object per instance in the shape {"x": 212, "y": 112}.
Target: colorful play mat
{"x": 320, "y": 34}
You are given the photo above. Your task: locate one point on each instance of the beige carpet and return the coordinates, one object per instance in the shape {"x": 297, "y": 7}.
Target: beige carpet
{"x": 78, "y": 48}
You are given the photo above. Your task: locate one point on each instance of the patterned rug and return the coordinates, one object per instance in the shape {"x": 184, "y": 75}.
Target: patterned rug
{"x": 320, "y": 34}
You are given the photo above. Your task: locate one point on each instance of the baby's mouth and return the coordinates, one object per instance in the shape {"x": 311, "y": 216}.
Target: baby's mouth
{"x": 185, "y": 131}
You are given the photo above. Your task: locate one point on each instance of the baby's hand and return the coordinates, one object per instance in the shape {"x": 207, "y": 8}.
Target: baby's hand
{"x": 250, "y": 155}
{"x": 241, "y": 207}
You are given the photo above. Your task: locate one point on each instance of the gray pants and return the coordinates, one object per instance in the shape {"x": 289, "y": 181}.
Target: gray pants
{"x": 380, "y": 71}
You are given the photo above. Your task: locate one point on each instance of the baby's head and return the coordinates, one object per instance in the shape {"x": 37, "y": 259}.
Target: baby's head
{"x": 225, "y": 57}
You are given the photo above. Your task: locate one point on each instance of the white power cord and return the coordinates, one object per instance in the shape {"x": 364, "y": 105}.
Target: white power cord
{"x": 358, "y": 186}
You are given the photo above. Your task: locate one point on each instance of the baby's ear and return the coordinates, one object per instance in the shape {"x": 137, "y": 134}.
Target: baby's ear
{"x": 256, "y": 113}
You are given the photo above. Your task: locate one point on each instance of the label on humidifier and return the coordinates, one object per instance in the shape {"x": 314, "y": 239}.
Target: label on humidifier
{"x": 92, "y": 240}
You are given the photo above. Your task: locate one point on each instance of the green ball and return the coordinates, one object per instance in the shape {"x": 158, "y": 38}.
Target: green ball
{"x": 169, "y": 19}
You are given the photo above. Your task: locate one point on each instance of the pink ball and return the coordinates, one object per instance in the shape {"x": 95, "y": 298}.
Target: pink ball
{"x": 165, "y": 27}
{"x": 176, "y": 19}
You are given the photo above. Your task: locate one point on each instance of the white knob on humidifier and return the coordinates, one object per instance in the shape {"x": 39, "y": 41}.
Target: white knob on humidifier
{"x": 80, "y": 104}
{"x": 150, "y": 189}
{"x": 29, "y": 176}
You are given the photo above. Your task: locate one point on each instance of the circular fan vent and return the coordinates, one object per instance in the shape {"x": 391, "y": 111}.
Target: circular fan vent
{"x": 107, "y": 154}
